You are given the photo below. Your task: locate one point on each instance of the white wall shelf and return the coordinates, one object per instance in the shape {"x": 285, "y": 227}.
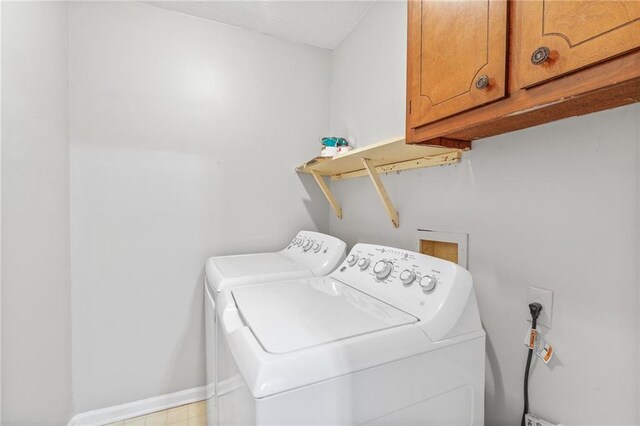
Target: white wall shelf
{"x": 388, "y": 156}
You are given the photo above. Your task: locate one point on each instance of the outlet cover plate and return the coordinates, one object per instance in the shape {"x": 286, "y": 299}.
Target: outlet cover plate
{"x": 545, "y": 298}
{"x": 531, "y": 420}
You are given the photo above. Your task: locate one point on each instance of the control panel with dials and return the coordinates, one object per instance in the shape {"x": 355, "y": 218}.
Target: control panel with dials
{"x": 432, "y": 289}
{"x": 389, "y": 264}
{"x": 315, "y": 250}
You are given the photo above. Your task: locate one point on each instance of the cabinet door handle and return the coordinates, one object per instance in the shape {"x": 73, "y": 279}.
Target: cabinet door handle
{"x": 482, "y": 82}
{"x": 540, "y": 55}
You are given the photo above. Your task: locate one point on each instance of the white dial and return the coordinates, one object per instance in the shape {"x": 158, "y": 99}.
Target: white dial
{"x": 352, "y": 259}
{"x": 308, "y": 245}
{"x": 382, "y": 269}
{"x": 364, "y": 263}
{"x": 316, "y": 247}
{"x": 299, "y": 242}
{"x": 428, "y": 283}
{"x": 407, "y": 277}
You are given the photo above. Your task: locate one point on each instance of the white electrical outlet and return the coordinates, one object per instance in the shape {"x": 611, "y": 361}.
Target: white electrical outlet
{"x": 530, "y": 420}
{"x": 543, "y": 297}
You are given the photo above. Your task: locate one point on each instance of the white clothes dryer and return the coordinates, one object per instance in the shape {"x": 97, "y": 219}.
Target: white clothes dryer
{"x": 391, "y": 337}
{"x": 309, "y": 254}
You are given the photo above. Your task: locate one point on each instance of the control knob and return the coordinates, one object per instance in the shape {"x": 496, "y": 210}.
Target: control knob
{"x": 307, "y": 246}
{"x": 352, "y": 259}
{"x": 382, "y": 269}
{"x": 407, "y": 277}
{"x": 428, "y": 283}
{"x": 316, "y": 247}
{"x": 299, "y": 242}
{"x": 364, "y": 263}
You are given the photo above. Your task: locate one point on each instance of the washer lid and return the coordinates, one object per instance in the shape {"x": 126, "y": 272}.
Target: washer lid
{"x": 225, "y": 272}
{"x": 289, "y": 316}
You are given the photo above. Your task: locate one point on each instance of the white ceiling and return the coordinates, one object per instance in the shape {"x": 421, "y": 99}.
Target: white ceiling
{"x": 318, "y": 23}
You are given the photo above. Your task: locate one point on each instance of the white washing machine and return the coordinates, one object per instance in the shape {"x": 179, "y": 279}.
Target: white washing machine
{"x": 391, "y": 337}
{"x": 309, "y": 254}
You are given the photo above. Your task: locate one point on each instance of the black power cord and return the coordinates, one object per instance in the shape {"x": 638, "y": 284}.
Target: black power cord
{"x": 534, "y": 309}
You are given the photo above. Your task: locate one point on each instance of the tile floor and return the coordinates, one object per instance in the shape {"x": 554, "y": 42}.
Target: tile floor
{"x": 186, "y": 415}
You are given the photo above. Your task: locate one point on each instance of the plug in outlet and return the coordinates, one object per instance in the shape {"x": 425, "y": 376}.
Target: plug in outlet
{"x": 530, "y": 420}
{"x": 545, "y": 298}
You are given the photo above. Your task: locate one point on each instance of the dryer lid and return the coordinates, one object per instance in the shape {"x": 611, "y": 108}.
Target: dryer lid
{"x": 226, "y": 272}
{"x": 289, "y": 316}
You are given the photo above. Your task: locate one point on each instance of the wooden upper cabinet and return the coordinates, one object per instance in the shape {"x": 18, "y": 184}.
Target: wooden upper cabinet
{"x": 565, "y": 58}
{"x": 456, "y": 57}
{"x": 555, "y": 37}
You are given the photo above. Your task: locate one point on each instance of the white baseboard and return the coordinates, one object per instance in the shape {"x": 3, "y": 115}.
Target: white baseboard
{"x": 138, "y": 408}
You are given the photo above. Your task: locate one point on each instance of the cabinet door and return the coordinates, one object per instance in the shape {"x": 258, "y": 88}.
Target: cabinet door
{"x": 456, "y": 55}
{"x": 554, "y": 37}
